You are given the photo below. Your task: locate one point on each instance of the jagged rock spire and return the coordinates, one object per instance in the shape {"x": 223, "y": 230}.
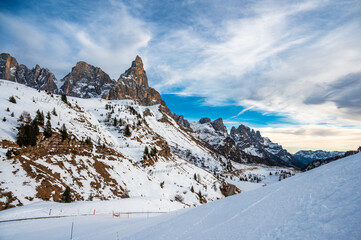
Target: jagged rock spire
{"x": 137, "y": 72}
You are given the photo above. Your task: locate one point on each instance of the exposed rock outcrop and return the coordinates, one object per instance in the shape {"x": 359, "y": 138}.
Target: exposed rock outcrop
{"x": 86, "y": 81}
{"x": 133, "y": 84}
{"x": 204, "y": 120}
{"x": 219, "y": 126}
{"x": 242, "y": 145}
{"x": 38, "y": 78}
{"x": 181, "y": 121}
{"x": 136, "y": 72}
{"x": 8, "y": 65}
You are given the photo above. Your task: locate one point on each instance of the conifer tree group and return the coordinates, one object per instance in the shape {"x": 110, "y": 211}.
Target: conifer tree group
{"x": 27, "y": 131}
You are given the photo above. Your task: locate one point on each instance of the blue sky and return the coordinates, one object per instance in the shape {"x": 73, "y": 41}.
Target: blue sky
{"x": 291, "y": 69}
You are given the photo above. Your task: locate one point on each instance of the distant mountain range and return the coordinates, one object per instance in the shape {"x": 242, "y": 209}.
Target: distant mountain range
{"x": 307, "y": 156}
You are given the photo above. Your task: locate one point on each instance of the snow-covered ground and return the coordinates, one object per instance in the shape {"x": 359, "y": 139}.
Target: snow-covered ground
{"x": 324, "y": 203}
{"x": 248, "y": 177}
{"x": 125, "y": 206}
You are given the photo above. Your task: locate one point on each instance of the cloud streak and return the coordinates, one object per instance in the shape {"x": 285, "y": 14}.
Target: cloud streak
{"x": 109, "y": 38}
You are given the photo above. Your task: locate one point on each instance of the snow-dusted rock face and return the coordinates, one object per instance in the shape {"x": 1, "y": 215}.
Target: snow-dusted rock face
{"x": 181, "y": 121}
{"x": 243, "y": 145}
{"x": 307, "y": 156}
{"x": 133, "y": 84}
{"x": 38, "y": 78}
{"x": 254, "y": 144}
{"x": 86, "y": 81}
{"x": 136, "y": 72}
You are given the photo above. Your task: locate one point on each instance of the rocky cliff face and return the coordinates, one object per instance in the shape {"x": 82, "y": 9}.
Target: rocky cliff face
{"x": 242, "y": 145}
{"x": 133, "y": 84}
{"x": 252, "y": 143}
{"x": 86, "y": 81}
{"x": 8, "y": 65}
{"x": 136, "y": 72}
{"x": 181, "y": 121}
{"x": 38, "y": 78}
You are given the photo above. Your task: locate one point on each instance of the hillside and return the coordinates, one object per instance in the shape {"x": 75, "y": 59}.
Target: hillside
{"x": 98, "y": 158}
{"x": 324, "y": 203}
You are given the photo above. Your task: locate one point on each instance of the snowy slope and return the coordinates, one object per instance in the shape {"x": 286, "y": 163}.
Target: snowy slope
{"x": 112, "y": 166}
{"x": 324, "y": 203}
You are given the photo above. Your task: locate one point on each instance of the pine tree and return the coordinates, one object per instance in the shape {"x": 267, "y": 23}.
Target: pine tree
{"x": 64, "y": 133}
{"x": 48, "y": 132}
{"x": 115, "y": 123}
{"x": 192, "y": 189}
{"x": 54, "y": 112}
{"x": 12, "y": 99}
{"x": 12, "y": 114}
{"x": 48, "y": 116}
{"x": 66, "y": 198}
{"x": 8, "y": 109}
{"x": 146, "y": 152}
{"x": 195, "y": 176}
{"x": 127, "y": 132}
{"x": 35, "y": 126}
{"x": 26, "y": 135}
{"x": 64, "y": 98}
{"x": 4, "y": 119}
{"x": 153, "y": 152}
{"x": 40, "y": 117}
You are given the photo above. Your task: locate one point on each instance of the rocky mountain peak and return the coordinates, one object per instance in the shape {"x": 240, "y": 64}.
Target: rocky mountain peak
{"x": 137, "y": 72}
{"x": 38, "y": 78}
{"x": 204, "y": 120}
{"x": 133, "y": 84}
{"x": 86, "y": 81}
{"x": 219, "y": 126}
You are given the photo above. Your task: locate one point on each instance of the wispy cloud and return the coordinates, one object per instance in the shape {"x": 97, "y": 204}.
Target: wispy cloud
{"x": 270, "y": 59}
{"x": 241, "y": 112}
{"x": 108, "y": 37}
